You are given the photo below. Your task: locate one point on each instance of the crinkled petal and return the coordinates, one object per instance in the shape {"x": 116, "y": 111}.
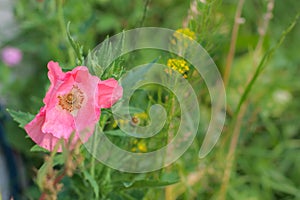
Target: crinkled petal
{"x": 58, "y": 122}
{"x": 64, "y": 88}
{"x": 34, "y": 130}
{"x": 80, "y": 74}
{"x": 109, "y": 92}
{"x": 88, "y": 115}
{"x": 56, "y": 77}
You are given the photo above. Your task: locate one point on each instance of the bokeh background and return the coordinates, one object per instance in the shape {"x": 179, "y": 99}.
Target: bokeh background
{"x": 267, "y": 161}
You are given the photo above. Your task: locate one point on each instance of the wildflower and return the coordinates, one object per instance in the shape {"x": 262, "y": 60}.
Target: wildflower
{"x": 121, "y": 122}
{"x": 136, "y": 119}
{"x": 11, "y": 56}
{"x": 182, "y": 40}
{"x": 139, "y": 146}
{"x": 141, "y": 115}
{"x": 179, "y": 65}
{"x": 185, "y": 33}
{"x": 72, "y": 105}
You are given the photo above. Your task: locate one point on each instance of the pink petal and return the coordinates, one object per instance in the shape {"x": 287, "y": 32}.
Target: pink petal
{"x": 58, "y": 121}
{"x": 56, "y": 76}
{"x": 55, "y": 71}
{"x": 34, "y": 130}
{"x": 80, "y": 73}
{"x": 88, "y": 115}
{"x": 109, "y": 92}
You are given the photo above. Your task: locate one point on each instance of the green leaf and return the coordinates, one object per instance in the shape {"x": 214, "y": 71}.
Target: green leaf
{"x": 37, "y": 148}
{"x": 263, "y": 63}
{"x": 21, "y": 117}
{"x": 134, "y": 110}
{"x": 58, "y": 159}
{"x": 76, "y": 46}
{"x": 117, "y": 132}
{"x": 148, "y": 183}
{"x": 103, "y": 56}
{"x": 170, "y": 177}
{"x": 93, "y": 183}
{"x": 144, "y": 184}
{"x": 127, "y": 196}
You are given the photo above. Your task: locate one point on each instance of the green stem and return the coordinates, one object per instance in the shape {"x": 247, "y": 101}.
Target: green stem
{"x": 241, "y": 109}
{"x": 263, "y": 63}
{"x": 92, "y": 169}
{"x": 62, "y": 24}
{"x": 94, "y": 147}
{"x": 234, "y": 36}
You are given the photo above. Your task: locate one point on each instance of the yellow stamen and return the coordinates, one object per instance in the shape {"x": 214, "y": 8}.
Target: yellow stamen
{"x": 71, "y": 101}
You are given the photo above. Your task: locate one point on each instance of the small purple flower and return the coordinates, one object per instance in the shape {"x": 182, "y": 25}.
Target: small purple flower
{"x": 11, "y": 56}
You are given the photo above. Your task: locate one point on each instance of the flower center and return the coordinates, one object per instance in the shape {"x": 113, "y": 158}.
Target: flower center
{"x": 71, "y": 101}
{"x": 71, "y": 98}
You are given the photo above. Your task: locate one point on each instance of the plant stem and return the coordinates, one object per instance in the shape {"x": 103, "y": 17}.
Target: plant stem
{"x": 145, "y": 12}
{"x": 231, "y": 153}
{"x": 92, "y": 169}
{"x": 241, "y": 108}
{"x": 94, "y": 147}
{"x": 234, "y": 36}
{"x": 170, "y": 135}
{"x": 262, "y": 30}
{"x": 62, "y": 24}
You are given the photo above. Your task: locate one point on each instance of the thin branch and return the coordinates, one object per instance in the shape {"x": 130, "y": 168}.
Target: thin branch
{"x": 262, "y": 30}
{"x": 235, "y": 29}
{"x": 231, "y": 153}
{"x": 144, "y": 12}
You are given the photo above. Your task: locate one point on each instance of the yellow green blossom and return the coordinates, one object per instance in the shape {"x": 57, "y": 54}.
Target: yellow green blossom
{"x": 135, "y": 120}
{"x": 141, "y": 115}
{"x": 186, "y": 33}
{"x": 139, "y": 146}
{"x": 179, "y": 65}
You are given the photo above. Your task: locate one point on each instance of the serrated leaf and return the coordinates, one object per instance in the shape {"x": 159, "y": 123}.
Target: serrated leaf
{"x": 78, "y": 49}
{"x": 92, "y": 182}
{"x": 21, "y": 117}
{"x": 104, "y": 55}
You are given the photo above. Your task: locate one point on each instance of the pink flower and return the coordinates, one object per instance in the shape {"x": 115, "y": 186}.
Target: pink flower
{"x": 11, "y": 56}
{"x": 72, "y": 105}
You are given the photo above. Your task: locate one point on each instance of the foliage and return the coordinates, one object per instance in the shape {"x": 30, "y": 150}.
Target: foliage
{"x": 257, "y": 156}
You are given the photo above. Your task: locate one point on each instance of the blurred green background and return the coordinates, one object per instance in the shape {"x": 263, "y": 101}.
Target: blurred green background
{"x": 267, "y": 161}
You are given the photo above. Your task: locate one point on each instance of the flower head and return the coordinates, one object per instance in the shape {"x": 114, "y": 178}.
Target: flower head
{"x": 139, "y": 146}
{"x": 179, "y": 65}
{"x": 11, "y": 56}
{"x": 184, "y": 33}
{"x": 182, "y": 39}
{"x": 72, "y": 106}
